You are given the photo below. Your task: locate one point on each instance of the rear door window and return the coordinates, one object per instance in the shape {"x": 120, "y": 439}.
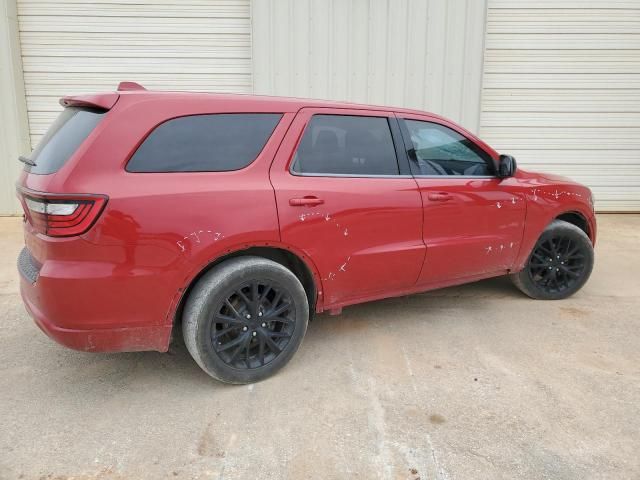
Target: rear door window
{"x": 346, "y": 145}
{"x": 63, "y": 138}
{"x": 205, "y": 143}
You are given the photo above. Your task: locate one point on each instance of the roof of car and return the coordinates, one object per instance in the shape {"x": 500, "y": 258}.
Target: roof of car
{"x": 284, "y": 104}
{"x": 274, "y": 103}
{"x": 281, "y": 103}
{"x": 244, "y": 102}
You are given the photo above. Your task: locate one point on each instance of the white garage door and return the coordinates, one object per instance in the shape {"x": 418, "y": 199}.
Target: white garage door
{"x": 561, "y": 91}
{"x": 76, "y": 46}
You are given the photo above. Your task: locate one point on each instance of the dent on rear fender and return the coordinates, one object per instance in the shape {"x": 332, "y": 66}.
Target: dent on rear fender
{"x": 222, "y": 251}
{"x": 198, "y": 237}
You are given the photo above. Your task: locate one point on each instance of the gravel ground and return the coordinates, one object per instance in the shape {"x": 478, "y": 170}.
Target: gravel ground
{"x": 472, "y": 382}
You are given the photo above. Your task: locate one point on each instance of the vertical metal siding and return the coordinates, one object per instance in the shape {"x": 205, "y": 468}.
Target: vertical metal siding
{"x": 424, "y": 54}
{"x": 561, "y": 91}
{"x": 78, "y": 46}
{"x": 14, "y": 139}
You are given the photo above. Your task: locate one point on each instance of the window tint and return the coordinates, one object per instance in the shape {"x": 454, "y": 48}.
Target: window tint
{"x": 63, "y": 138}
{"x": 204, "y": 143}
{"x": 347, "y": 145}
{"x": 438, "y": 150}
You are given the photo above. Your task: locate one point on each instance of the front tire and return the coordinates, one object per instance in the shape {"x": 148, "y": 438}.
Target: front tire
{"x": 245, "y": 319}
{"x": 559, "y": 265}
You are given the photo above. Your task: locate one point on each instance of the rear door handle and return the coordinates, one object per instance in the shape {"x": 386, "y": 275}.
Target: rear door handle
{"x": 439, "y": 197}
{"x": 305, "y": 201}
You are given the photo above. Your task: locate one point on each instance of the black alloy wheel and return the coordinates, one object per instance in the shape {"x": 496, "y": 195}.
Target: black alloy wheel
{"x": 559, "y": 265}
{"x": 245, "y": 319}
{"x": 253, "y": 325}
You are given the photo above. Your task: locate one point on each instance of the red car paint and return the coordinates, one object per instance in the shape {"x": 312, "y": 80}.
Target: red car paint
{"x": 119, "y": 285}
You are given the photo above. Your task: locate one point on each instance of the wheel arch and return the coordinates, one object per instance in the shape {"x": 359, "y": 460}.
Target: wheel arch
{"x": 297, "y": 262}
{"x": 538, "y": 220}
{"x": 579, "y": 220}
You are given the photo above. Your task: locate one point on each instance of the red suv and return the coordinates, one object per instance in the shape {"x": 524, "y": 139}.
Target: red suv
{"x": 235, "y": 217}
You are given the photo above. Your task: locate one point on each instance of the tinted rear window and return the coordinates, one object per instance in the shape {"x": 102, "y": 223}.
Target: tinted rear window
{"x": 205, "y": 143}
{"x": 346, "y": 145}
{"x": 63, "y": 138}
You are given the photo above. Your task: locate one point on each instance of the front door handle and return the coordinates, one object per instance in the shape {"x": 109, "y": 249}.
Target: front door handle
{"x": 439, "y": 197}
{"x": 308, "y": 201}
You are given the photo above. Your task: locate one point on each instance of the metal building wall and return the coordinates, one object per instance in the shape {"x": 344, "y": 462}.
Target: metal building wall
{"x": 14, "y": 137}
{"x": 424, "y": 54}
{"x": 78, "y": 46}
{"x": 562, "y": 91}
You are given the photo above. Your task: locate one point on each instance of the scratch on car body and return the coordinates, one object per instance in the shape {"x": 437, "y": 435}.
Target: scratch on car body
{"x": 304, "y": 216}
{"x": 343, "y": 267}
{"x": 535, "y": 194}
{"x": 196, "y": 235}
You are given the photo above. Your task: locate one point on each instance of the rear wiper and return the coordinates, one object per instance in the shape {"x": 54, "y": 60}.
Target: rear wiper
{"x": 27, "y": 160}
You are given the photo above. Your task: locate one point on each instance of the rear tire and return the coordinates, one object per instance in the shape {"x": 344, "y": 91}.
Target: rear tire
{"x": 559, "y": 264}
{"x": 245, "y": 319}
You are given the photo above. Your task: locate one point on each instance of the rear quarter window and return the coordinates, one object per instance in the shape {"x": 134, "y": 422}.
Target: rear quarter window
{"x": 63, "y": 138}
{"x": 204, "y": 143}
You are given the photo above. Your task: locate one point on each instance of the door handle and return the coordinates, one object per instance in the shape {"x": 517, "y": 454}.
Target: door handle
{"x": 308, "y": 201}
{"x": 439, "y": 197}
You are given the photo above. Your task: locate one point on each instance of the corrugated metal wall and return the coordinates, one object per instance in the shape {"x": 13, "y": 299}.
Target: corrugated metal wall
{"x": 77, "y": 46}
{"x": 424, "y": 54}
{"x": 14, "y": 139}
{"x": 561, "y": 91}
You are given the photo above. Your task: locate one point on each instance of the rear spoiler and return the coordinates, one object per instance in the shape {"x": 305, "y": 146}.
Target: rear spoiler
{"x": 100, "y": 100}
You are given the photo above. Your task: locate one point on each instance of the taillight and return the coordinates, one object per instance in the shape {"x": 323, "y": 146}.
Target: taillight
{"x": 59, "y": 215}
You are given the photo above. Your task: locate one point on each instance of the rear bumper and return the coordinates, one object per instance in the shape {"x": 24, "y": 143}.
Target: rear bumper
{"x": 47, "y": 302}
{"x": 134, "y": 339}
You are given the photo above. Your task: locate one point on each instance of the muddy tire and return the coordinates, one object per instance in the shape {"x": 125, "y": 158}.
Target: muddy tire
{"x": 245, "y": 319}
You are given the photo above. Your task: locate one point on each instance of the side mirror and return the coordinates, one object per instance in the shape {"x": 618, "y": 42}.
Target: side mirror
{"x": 507, "y": 166}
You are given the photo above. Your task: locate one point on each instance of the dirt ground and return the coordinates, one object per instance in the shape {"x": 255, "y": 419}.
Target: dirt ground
{"x": 472, "y": 382}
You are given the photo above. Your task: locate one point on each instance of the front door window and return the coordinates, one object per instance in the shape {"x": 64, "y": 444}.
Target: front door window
{"x": 439, "y": 150}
